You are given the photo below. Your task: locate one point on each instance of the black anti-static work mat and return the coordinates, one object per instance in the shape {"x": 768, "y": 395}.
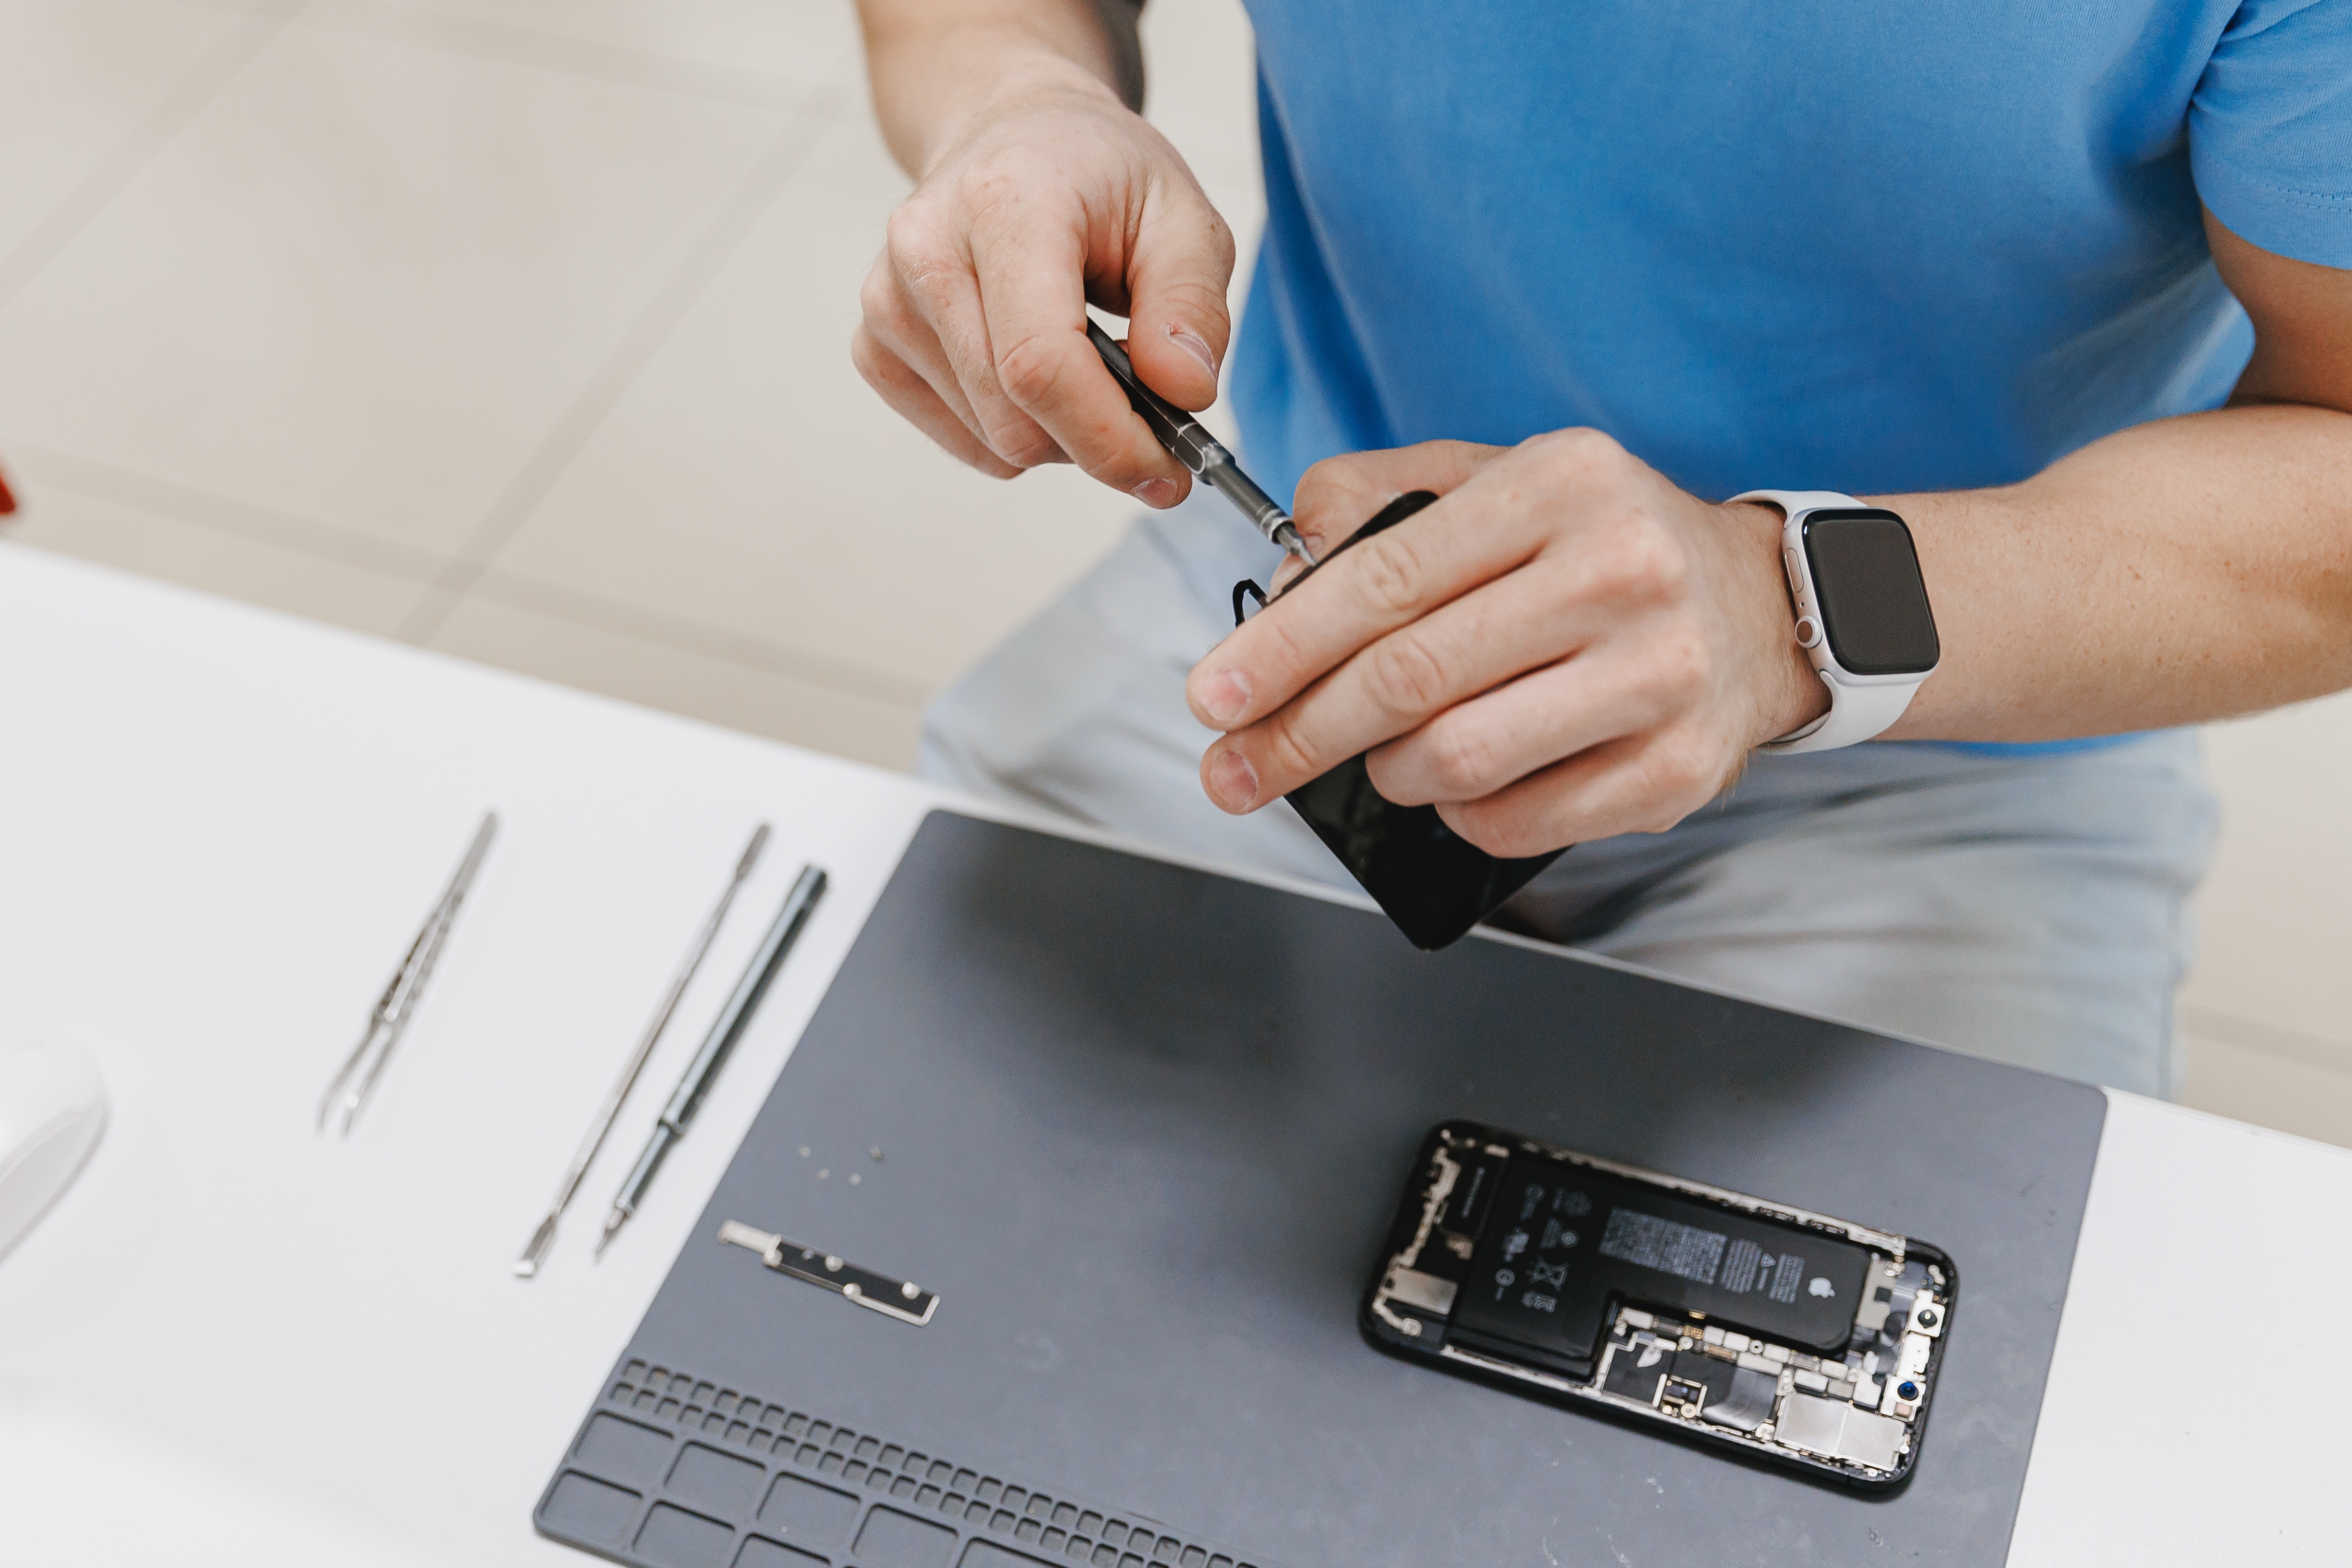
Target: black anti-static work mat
{"x": 1143, "y": 1129}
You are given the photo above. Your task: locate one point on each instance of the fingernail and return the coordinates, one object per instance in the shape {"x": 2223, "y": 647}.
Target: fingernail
{"x": 1194, "y": 344}
{"x": 1224, "y": 696}
{"x": 1159, "y": 493}
{"x": 1233, "y": 781}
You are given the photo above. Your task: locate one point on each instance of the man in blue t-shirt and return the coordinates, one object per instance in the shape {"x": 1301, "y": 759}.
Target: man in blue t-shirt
{"x": 2070, "y": 289}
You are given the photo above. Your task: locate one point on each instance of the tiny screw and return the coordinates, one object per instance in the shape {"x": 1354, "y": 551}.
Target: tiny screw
{"x": 1412, "y": 1327}
{"x": 908, "y": 1290}
{"x": 876, "y": 1151}
{"x": 831, "y": 1262}
{"x": 855, "y": 1178}
{"x": 823, "y": 1175}
{"x": 804, "y": 1151}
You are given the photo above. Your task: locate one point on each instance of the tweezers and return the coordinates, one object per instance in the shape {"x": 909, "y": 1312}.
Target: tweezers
{"x": 356, "y": 1081}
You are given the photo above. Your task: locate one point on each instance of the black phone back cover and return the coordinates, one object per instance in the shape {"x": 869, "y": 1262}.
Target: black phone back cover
{"x": 1433, "y": 883}
{"x": 1143, "y": 1129}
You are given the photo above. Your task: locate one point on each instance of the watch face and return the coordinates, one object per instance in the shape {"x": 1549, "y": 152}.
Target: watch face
{"x": 1873, "y": 601}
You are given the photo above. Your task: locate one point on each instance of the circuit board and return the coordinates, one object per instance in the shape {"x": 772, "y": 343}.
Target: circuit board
{"x": 1810, "y": 1340}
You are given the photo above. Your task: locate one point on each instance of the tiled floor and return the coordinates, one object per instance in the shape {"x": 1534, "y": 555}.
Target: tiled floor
{"x": 518, "y": 328}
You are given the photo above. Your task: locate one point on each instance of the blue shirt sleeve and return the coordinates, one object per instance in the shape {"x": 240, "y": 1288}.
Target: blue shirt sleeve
{"x": 2269, "y": 129}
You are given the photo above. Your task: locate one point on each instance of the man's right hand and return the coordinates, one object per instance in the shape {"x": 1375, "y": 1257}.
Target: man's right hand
{"x": 1039, "y": 191}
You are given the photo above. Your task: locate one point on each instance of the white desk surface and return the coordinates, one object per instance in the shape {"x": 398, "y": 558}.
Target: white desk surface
{"x": 233, "y": 1342}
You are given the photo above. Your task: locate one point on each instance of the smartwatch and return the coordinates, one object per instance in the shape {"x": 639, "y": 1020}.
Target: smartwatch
{"x": 1862, "y": 612}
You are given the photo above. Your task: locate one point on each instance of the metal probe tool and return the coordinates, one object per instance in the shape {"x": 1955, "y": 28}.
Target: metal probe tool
{"x": 534, "y": 1254}
{"x": 1199, "y": 451}
{"x": 353, "y": 1084}
{"x": 703, "y": 1070}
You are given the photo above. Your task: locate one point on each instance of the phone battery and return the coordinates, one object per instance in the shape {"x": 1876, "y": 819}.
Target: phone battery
{"x": 1562, "y": 1241}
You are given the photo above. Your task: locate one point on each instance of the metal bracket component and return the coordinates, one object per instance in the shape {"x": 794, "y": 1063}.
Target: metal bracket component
{"x": 900, "y": 1298}
{"x": 1415, "y": 1289}
{"x": 1886, "y": 1274}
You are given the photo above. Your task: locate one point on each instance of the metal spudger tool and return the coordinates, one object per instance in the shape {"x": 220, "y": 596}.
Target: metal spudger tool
{"x": 703, "y": 1070}
{"x": 1189, "y": 441}
{"x": 543, "y": 1237}
{"x": 356, "y": 1081}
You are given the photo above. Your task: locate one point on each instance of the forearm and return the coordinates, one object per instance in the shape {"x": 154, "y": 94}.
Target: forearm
{"x": 2183, "y": 571}
{"x": 933, "y": 62}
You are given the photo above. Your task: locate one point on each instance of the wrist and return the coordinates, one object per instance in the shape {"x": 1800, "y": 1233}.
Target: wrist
{"x": 1786, "y": 690}
{"x": 936, "y": 91}
{"x": 1862, "y": 612}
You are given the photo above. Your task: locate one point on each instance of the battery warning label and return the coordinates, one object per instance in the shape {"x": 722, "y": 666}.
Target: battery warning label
{"x": 1702, "y": 1257}
{"x": 1633, "y": 1236}
{"x": 1747, "y": 1266}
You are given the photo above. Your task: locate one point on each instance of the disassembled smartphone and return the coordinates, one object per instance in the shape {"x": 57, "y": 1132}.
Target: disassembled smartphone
{"x": 1809, "y": 1341}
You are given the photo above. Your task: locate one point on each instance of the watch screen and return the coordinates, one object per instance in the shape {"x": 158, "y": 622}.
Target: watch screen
{"x": 1874, "y": 603}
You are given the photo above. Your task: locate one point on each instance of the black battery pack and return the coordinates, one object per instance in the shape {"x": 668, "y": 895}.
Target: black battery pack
{"x": 1566, "y": 1243}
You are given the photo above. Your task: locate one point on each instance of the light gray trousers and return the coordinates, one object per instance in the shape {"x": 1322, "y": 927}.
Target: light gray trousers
{"x": 2030, "y": 907}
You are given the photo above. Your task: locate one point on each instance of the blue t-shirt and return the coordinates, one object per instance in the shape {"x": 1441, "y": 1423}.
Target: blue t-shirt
{"x": 1841, "y": 244}
{"x": 1869, "y": 245}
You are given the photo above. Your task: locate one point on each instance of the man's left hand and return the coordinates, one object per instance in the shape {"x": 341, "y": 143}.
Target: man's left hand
{"x": 1563, "y": 648}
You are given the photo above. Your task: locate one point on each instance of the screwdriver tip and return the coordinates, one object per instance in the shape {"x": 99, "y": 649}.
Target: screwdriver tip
{"x": 613, "y": 1223}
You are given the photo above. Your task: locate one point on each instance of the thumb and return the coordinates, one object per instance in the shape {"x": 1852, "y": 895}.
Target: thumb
{"x": 1177, "y": 326}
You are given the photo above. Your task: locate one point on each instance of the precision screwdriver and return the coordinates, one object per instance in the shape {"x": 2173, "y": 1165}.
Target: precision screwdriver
{"x": 1192, "y": 445}
{"x": 703, "y": 1070}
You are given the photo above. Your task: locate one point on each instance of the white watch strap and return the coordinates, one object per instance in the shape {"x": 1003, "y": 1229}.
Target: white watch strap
{"x": 1792, "y": 502}
{"x": 1857, "y": 712}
